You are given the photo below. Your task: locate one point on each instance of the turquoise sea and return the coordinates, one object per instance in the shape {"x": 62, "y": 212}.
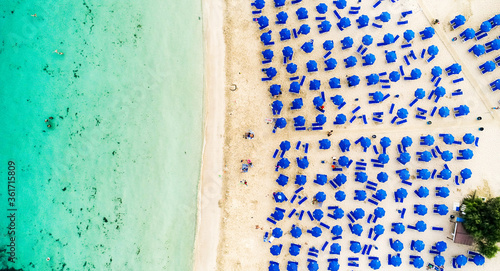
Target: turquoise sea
{"x": 112, "y": 184}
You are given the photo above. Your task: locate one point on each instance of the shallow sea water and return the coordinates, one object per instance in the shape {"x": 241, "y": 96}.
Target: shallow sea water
{"x": 112, "y": 185}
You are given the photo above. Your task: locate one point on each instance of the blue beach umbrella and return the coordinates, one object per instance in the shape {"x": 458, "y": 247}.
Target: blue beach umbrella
{"x": 265, "y": 38}
{"x": 334, "y": 265}
{"x": 296, "y": 232}
{"x": 344, "y": 145}
{"x": 297, "y": 103}
{"x": 459, "y": 20}
{"x": 489, "y": 66}
{"x": 375, "y": 264}
{"x": 385, "y": 16}
{"x": 259, "y": 4}
{"x": 277, "y": 105}
{"x": 478, "y": 49}
{"x": 285, "y": 34}
{"x": 401, "y": 193}
{"x": 275, "y": 90}
{"x": 408, "y": 35}
{"x": 469, "y": 33}
{"x": 418, "y": 262}
{"x": 350, "y": 61}
{"x": 322, "y": 8}
{"x": 406, "y": 141}
{"x": 445, "y": 174}
{"x": 287, "y": 51}
{"x": 436, "y": 71}
{"x": 448, "y": 139}
{"x": 485, "y": 26}
{"x": 422, "y": 192}
{"x": 331, "y": 64}
{"x": 404, "y": 158}
{"x": 496, "y": 20}
{"x": 284, "y": 163}
{"x": 321, "y": 119}
{"x": 440, "y": 91}
{"x": 301, "y": 13}
{"x": 380, "y": 194}
{"x": 495, "y": 44}
{"x": 466, "y": 173}
{"x": 395, "y": 261}
{"x": 398, "y": 228}
{"x": 312, "y": 66}
{"x": 340, "y": 4}
{"x": 278, "y": 215}
{"x": 419, "y": 245}
{"x": 372, "y": 79}
{"x": 340, "y": 179}
{"x": 318, "y": 214}
{"x": 433, "y": 50}
{"x": 304, "y": 29}
{"x": 443, "y": 192}
{"x": 340, "y": 119}
{"x": 428, "y": 140}
{"x": 426, "y": 156}
{"x": 295, "y": 87}
{"x": 315, "y": 231}
{"x": 344, "y": 23}
{"x": 468, "y": 138}
{"x": 363, "y": 20}
{"x": 334, "y": 82}
{"x": 340, "y": 196}
{"x": 369, "y": 59}
{"x": 299, "y": 121}
{"x": 444, "y": 112}
{"x": 277, "y": 233}
{"x": 365, "y": 142}
{"x": 279, "y": 197}
{"x": 402, "y": 113}
{"x": 353, "y": 80}
{"x": 360, "y": 195}
{"x": 282, "y": 17}
{"x": 318, "y": 101}
{"x": 394, "y": 76}
{"x": 391, "y": 57}
{"x": 320, "y": 196}
{"x": 291, "y": 68}
{"x": 271, "y": 72}
{"x": 428, "y": 32}
{"x": 421, "y": 209}
{"x": 424, "y": 174}
{"x": 404, "y": 174}
{"x": 281, "y": 123}
{"x": 442, "y": 209}
{"x": 300, "y": 179}
{"x": 447, "y": 156}
{"x": 379, "y": 212}
{"x": 383, "y": 158}
{"x": 336, "y": 248}
{"x": 439, "y": 260}
{"x": 303, "y": 163}
{"x": 463, "y": 110}
{"x": 321, "y": 179}
{"x": 307, "y": 47}
{"x": 279, "y": 3}
{"x": 343, "y": 161}
{"x": 378, "y": 229}
{"x": 328, "y": 45}
{"x": 382, "y": 177}
{"x": 397, "y": 245}
{"x": 263, "y": 22}
{"x": 461, "y": 260}
{"x": 378, "y": 96}
{"x": 358, "y": 213}
{"x": 454, "y": 69}
{"x": 338, "y": 213}
{"x": 367, "y": 40}
{"x": 467, "y": 154}
{"x": 361, "y": 177}
{"x": 324, "y": 144}
{"x": 388, "y": 38}
{"x": 421, "y": 226}
{"x": 312, "y": 266}
{"x": 268, "y": 54}
{"x": 355, "y": 247}
{"x": 294, "y": 249}
{"x": 292, "y": 266}
{"x": 385, "y": 142}
{"x": 357, "y": 229}
{"x": 416, "y": 73}
{"x": 419, "y": 93}
{"x": 282, "y": 179}
{"x": 274, "y": 266}
{"x": 478, "y": 259}
{"x": 347, "y": 42}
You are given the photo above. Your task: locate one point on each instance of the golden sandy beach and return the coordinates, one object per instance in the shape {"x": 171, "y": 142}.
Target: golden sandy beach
{"x": 234, "y": 206}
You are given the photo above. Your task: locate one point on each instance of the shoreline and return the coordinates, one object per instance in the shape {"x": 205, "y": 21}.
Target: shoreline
{"x": 210, "y": 184}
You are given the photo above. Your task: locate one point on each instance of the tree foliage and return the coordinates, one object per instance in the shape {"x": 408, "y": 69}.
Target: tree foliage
{"x": 482, "y": 222}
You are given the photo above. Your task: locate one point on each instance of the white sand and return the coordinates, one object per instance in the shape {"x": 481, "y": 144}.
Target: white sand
{"x": 244, "y": 207}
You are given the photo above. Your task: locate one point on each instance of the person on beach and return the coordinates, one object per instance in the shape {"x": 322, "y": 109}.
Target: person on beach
{"x": 329, "y": 133}
{"x": 34, "y": 15}
{"x": 60, "y": 53}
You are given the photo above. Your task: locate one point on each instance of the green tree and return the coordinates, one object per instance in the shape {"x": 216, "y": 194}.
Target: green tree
{"x": 482, "y": 222}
